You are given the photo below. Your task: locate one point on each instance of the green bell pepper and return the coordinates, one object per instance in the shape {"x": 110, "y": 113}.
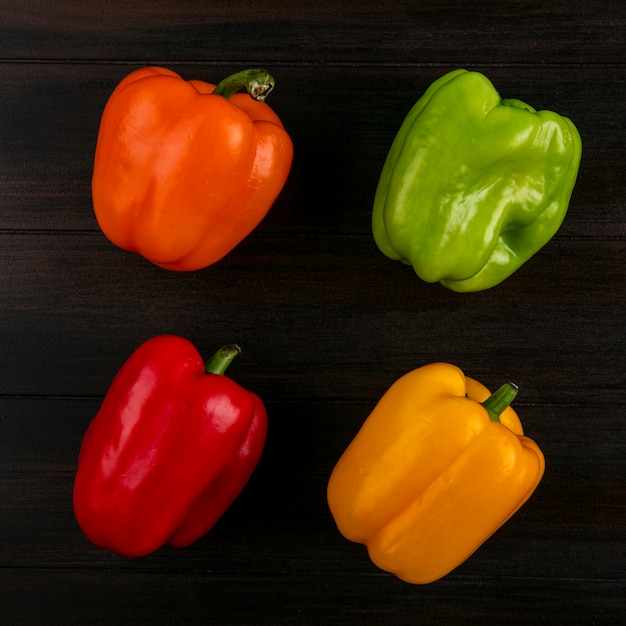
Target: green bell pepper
{"x": 473, "y": 184}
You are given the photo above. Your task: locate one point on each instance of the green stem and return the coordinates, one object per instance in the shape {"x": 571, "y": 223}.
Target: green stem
{"x": 220, "y": 361}
{"x": 500, "y": 400}
{"x": 257, "y": 82}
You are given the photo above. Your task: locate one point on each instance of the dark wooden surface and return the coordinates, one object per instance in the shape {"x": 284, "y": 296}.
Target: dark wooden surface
{"x": 325, "y": 321}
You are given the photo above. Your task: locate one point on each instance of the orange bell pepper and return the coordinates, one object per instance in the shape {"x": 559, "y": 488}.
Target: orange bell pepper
{"x": 185, "y": 170}
{"x": 433, "y": 473}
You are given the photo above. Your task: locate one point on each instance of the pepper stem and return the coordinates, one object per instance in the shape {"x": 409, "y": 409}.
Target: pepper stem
{"x": 220, "y": 361}
{"x": 500, "y": 400}
{"x": 257, "y": 82}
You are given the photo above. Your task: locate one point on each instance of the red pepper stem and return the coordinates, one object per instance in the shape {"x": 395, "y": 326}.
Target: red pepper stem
{"x": 219, "y": 362}
{"x": 257, "y": 82}
{"x": 500, "y": 400}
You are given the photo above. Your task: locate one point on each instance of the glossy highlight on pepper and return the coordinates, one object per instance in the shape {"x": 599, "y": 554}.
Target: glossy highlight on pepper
{"x": 185, "y": 170}
{"x": 172, "y": 446}
{"x": 434, "y": 471}
{"x": 474, "y": 184}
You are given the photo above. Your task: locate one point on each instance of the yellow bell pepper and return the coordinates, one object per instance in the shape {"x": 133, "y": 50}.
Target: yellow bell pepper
{"x": 433, "y": 473}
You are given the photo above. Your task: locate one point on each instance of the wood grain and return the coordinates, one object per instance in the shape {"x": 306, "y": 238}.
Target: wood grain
{"x": 325, "y": 321}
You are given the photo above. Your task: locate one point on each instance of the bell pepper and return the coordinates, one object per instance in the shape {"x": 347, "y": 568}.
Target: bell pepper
{"x": 435, "y": 470}
{"x": 473, "y": 185}
{"x": 185, "y": 170}
{"x": 170, "y": 449}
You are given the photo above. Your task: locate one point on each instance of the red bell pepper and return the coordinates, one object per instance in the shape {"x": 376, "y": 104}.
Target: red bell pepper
{"x": 171, "y": 447}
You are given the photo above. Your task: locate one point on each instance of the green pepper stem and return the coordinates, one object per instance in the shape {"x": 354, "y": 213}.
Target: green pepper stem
{"x": 219, "y": 362}
{"x": 257, "y": 82}
{"x": 500, "y": 400}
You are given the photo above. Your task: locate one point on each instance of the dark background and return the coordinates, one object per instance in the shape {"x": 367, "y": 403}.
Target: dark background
{"x": 326, "y": 322}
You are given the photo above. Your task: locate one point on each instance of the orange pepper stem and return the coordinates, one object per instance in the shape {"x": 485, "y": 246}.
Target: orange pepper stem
{"x": 219, "y": 362}
{"x": 500, "y": 400}
{"x": 257, "y": 82}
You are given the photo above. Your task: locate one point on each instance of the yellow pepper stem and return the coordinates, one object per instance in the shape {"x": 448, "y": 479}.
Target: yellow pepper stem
{"x": 500, "y": 400}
